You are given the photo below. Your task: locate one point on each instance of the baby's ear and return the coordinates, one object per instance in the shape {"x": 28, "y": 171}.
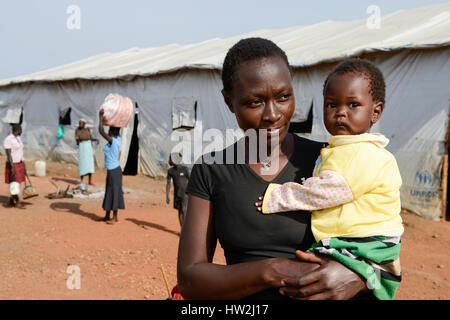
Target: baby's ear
{"x": 376, "y": 112}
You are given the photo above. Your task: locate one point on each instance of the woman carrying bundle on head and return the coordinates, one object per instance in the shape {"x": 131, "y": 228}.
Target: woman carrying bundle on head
{"x": 113, "y": 200}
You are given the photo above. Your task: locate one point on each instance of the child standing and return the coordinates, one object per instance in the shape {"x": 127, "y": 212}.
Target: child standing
{"x": 354, "y": 192}
{"x": 180, "y": 176}
{"x": 113, "y": 199}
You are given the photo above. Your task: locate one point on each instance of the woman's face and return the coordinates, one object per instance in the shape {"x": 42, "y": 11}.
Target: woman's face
{"x": 17, "y": 132}
{"x": 262, "y": 96}
{"x": 81, "y": 124}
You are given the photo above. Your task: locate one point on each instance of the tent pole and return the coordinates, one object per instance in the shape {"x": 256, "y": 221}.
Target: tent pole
{"x": 445, "y": 214}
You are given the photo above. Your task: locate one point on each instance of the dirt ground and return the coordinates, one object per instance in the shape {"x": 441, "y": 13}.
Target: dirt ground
{"x": 125, "y": 261}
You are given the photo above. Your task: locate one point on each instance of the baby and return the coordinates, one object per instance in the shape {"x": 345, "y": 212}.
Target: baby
{"x": 354, "y": 194}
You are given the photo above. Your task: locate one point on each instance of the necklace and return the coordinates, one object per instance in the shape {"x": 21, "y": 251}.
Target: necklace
{"x": 266, "y": 164}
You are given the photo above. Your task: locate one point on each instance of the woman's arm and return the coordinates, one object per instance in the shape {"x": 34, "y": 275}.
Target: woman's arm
{"x": 77, "y": 137}
{"x": 199, "y": 278}
{"x": 13, "y": 169}
{"x": 100, "y": 127}
{"x": 168, "y": 188}
{"x": 90, "y": 135}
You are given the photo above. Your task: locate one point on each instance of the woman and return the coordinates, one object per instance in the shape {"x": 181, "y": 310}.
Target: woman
{"x": 113, "y": 200}
{"x": 85, "y": 153}
{"x": 260, "y": 250}
{"x": 15, "y": 169}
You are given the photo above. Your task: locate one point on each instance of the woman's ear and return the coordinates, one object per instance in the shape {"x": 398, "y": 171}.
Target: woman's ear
{"x": 227, "y": 99}
{"x": 376, "y": 112}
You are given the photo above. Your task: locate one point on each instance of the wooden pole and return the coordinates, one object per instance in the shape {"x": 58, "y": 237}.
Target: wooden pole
{"x": 445, "y": 214}
{"x": 165, "y": 280}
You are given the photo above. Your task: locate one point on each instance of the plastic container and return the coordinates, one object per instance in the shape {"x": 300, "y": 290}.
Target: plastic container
{"x": 118, "y": 110}
{"x": 14, "y": 188}
{"x": 39, "y": 167}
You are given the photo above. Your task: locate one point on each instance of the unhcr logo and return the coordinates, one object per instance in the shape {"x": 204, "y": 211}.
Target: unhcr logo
{"x": 425, "y": 179}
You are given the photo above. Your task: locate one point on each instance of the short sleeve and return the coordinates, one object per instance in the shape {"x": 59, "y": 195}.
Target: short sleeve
{"x": 200, "y": 182}
{"x": 7, "y": 143}
{"x": 117, "y": 143}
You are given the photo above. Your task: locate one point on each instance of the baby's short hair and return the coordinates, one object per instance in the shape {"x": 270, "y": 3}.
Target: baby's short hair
{"x": 377, "y": 86}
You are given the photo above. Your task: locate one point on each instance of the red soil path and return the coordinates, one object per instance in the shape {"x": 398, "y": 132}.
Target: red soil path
{"x": 124, "y": 261}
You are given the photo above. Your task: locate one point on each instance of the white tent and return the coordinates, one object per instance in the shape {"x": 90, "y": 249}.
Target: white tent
{"x": 179, "y": 85}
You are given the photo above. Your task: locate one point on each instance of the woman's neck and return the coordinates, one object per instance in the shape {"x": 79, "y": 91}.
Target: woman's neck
{"x": 283, "y": 149}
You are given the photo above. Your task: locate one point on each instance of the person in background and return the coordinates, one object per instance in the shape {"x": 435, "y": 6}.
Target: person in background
{"x": 180, "y": 176}
{"x": 113, "y": 200}
{"x": 85, "y": 153}
{"x": 15, "y": 169}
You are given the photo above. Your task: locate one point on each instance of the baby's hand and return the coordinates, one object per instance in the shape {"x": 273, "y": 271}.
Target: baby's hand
{"x": 259, "y": 204}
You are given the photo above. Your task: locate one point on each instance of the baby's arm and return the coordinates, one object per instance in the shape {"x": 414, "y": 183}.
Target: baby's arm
{"x": 327, "y": 190}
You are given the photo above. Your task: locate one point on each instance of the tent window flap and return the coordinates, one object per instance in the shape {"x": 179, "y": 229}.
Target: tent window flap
{"x": 184, "y": 111}
{"x": 12, "y": 115}
{"x": 64, "y": 116}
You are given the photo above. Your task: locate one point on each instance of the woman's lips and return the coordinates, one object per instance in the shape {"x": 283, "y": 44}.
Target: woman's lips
{"x": 272, "y": 132}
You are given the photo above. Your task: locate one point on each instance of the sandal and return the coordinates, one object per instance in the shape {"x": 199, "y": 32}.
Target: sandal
{"x": 20, "y": 206}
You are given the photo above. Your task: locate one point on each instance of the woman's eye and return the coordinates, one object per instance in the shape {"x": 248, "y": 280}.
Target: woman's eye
{"x": 285, "y": 97}
{"x": 354, "y": 104}
{"x": 254, "y": 103}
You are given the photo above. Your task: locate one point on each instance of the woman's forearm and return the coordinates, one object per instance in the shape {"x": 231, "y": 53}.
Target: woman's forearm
{"x": 212, "y": 281}
{"x": 103, "y": 133}
{"x": 200, "y": 278}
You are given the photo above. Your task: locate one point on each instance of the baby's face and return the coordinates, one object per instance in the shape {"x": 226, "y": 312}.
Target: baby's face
{"x": 348, "y": 105}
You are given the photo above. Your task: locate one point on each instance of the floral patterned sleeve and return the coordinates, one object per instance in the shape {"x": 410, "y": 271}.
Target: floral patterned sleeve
{"x": 328, "y": 190}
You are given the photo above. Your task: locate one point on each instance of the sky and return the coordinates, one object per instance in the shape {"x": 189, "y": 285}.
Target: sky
{"x": 37, "y": 35}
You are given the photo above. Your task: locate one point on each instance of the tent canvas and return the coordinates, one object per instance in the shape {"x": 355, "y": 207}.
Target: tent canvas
{"x": 411, "y": 48}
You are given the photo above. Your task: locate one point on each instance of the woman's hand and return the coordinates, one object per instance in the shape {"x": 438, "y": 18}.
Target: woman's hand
{"x": 277, "y": 270}
{"x": 332, "y": 280}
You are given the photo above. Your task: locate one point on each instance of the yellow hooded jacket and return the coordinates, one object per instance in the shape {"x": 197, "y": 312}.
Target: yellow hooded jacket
{"x": 371, "y": 173}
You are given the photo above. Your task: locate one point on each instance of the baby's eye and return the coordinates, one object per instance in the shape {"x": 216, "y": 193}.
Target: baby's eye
{"x": 354, "y": 104}
{"x": 331, "y": 105}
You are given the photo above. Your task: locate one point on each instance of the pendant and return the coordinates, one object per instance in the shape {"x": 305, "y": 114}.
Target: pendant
{"x": 266, "y": 164}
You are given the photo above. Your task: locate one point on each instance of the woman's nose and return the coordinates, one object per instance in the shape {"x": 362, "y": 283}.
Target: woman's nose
{"x": 271, "y": 112}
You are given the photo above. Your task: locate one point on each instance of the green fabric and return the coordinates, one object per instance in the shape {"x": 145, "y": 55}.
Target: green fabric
{"x": 60, "y": 132}
{"x": 374, "y": 250}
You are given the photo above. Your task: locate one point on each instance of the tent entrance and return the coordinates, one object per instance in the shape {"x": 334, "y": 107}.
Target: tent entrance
{"x": 131, "y": 167}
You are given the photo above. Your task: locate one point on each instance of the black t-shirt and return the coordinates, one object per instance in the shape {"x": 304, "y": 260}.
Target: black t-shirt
{"x": 244, "y": 233}
{"x": 180, "y": 176}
